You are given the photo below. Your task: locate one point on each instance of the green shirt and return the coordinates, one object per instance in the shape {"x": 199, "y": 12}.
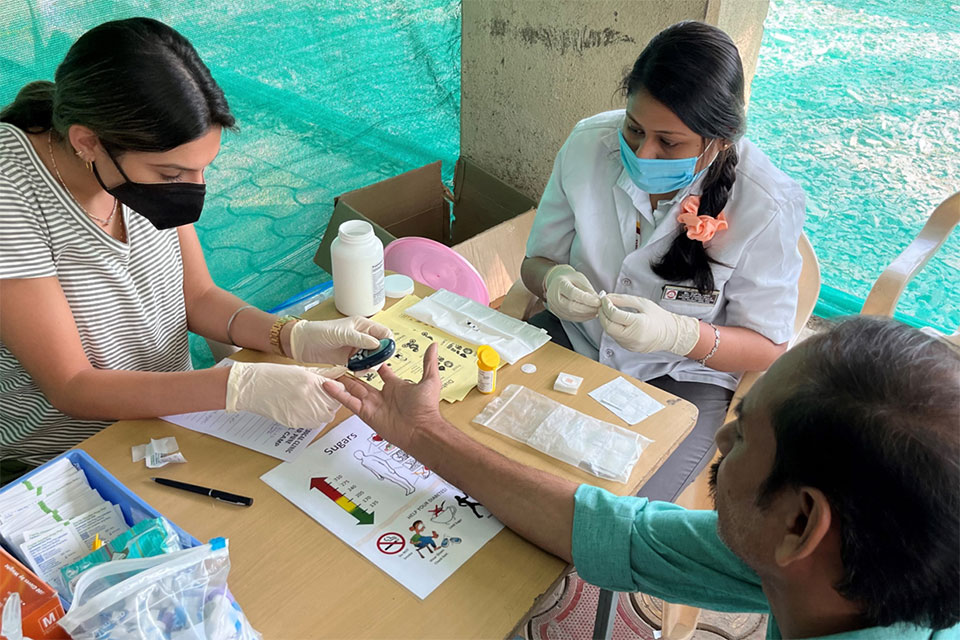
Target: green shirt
{"x": 631, "y": 544}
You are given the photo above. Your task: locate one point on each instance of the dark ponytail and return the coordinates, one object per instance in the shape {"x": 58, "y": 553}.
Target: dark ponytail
{"x": 694, "y": 69}
{"x": 32, "y": 109}
{"x": 137, "y": 83}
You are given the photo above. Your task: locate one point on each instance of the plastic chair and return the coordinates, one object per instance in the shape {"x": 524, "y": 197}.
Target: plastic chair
{"x": 883, "y": 297}
{"x": 435, "y": 265}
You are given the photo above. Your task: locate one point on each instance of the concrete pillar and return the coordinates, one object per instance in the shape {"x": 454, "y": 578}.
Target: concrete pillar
{"x": 532, "y": 68}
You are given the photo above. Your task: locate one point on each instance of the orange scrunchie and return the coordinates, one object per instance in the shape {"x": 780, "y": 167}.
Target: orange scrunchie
{"x": 699, "y": 228}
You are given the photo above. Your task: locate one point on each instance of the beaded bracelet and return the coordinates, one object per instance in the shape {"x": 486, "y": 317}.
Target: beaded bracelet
{"x": 716, "y": 343}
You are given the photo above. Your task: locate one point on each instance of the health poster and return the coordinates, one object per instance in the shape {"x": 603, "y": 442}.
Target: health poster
{"x": 382, "y": 502}
{"x": 456, "y": 360}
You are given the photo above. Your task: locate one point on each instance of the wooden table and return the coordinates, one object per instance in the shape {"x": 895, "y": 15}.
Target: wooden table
{"x": 294, "y": 579}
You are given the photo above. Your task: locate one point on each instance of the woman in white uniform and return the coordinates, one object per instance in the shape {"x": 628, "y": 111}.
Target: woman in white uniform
{"x": 687, "y": 228}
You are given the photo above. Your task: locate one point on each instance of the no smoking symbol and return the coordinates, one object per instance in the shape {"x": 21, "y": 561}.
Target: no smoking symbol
{"x": 391, "y": 543}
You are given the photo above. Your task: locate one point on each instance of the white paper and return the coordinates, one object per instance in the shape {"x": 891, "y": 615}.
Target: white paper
{"x": 12, "y": 508}
{"x": 351, "y": 476}
{"x": 41, "y": 483}
{"x": 16, "y": 514}
{"x": 47, "y": 514}
{"x": 628, "y": 402}
{"x": 105, "y": 520}
{"x": 249, "y": 430}
{"x": 59, "y": 547}
{"x": 157, "y": 453}
{"x": 478, "y": 324}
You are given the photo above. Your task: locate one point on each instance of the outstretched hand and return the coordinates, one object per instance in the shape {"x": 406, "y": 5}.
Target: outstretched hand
{"x": 396, "y": 411}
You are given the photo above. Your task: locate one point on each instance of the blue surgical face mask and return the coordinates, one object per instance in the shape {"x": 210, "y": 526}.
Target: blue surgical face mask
{"x": 656, "y": 175}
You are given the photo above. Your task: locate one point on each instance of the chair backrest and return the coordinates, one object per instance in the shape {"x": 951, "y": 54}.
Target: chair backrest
{"x": 808, "y": 290}
{"x": 883, "y": 297}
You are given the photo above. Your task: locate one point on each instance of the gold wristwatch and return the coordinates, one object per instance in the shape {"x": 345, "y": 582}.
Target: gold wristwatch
{"x": 275, "y": 334}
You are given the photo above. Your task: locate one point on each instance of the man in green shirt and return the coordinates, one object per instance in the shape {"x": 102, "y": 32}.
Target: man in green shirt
{"x": 837, "y": 494}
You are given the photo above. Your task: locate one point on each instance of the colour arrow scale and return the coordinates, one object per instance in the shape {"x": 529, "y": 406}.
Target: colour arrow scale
{"x": 321, "y": 484}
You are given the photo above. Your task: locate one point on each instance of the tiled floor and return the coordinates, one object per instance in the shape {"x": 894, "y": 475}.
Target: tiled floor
{"x": 569, "y": 614}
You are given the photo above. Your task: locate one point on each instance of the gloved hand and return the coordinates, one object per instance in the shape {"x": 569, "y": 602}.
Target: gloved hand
{"x": 652, "y": 328}
{"x": 334, "y": 341}
{"x": 288, "y": 394}
{"x": 570, "y": 296}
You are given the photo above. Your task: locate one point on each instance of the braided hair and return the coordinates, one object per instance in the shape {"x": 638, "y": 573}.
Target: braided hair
{"x": 694, "y": 69}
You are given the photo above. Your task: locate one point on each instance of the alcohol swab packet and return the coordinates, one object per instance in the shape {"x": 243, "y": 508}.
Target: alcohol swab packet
{"x": 158, "y": 452}
{"x": 628, "y": 402}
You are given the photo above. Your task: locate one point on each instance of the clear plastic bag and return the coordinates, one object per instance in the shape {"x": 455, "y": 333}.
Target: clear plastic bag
{"x": 599, "y": 448}
{"x": 176, "y": 596}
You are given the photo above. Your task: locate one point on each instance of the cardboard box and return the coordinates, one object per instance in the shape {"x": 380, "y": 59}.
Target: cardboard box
{"x": 485, "y": 220}
{"x": 40, "y": 606}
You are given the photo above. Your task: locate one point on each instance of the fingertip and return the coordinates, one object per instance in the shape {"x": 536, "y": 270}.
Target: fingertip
{"x": 386, "y": 373}
{"x": 335, "y": 388}
{"x": 369, "y": 341}
{"x": 606, "y": 306}
{"x": 430, "y": 361}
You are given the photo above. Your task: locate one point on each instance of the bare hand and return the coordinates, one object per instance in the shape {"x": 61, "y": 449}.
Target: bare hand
{"x": 396, "y": 411}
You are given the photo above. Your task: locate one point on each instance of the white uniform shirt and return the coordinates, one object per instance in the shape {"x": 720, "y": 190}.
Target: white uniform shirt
{"x": 588, "y": 218}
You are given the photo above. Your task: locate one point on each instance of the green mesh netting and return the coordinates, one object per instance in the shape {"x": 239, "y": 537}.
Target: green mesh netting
{"x": 859, "y": 100}
{"x": 329, "y": 96}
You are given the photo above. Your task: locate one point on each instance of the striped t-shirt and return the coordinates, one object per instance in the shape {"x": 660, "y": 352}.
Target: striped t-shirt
{"x": 126, "y": 298}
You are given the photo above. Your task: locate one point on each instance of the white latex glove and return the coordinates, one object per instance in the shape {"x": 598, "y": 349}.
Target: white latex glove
{"x": 288, "y": 394}
{"x": 334, "y": 341}
{"x": 651, "y": 328}
{"x": 570, "y": 296}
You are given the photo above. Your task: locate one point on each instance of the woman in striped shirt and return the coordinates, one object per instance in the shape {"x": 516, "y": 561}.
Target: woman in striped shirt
{"x": 101, "y": 272}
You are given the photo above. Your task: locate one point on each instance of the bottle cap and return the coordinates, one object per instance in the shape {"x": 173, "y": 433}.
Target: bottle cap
{"x": 397, "y": 285}
{"x": 487, "y": 358}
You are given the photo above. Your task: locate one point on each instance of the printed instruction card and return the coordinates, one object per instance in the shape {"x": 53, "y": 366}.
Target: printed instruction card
{"x": 382, "y": 502}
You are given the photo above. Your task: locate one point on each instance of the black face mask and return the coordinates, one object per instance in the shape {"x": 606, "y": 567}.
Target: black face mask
{"x": 164, "y": 204}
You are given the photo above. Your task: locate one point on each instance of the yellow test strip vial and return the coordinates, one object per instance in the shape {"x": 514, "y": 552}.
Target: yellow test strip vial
{"x": 487, "y": 362}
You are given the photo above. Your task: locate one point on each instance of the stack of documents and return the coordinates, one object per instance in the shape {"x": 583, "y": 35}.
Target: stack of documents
{"x": 52, "y": 520}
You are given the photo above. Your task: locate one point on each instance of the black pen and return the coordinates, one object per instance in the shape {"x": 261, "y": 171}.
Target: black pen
{"x": 222, "y": 496}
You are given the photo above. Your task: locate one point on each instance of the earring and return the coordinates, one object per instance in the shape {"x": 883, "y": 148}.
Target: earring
{"x": 86, "y": 163}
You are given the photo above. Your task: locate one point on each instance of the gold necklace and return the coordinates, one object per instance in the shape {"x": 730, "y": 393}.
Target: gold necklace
{"x": 67, "y": 189}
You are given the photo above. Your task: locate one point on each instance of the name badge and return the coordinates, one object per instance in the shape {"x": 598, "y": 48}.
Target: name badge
{"x": 689, "y": 294}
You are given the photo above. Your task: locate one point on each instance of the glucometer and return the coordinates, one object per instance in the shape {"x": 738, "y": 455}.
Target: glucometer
{"x": 369, "y": 358}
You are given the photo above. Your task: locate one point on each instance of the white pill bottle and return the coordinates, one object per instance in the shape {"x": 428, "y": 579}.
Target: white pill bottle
{"x": 357, "y": 257}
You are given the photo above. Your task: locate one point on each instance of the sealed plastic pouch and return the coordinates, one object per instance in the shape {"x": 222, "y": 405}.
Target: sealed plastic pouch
{"x": 599, "y": 448}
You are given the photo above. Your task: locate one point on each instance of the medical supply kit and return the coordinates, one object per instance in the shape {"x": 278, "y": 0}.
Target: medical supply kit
{"x": 111, "y": 562}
